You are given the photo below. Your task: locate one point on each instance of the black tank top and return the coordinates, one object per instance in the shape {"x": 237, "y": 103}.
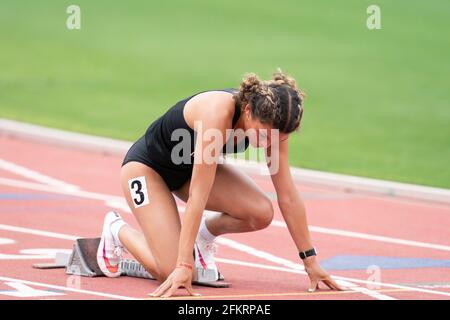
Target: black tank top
{"x": 158, "y": 135}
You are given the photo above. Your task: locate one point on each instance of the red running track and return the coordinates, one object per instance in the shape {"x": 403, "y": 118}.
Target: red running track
{"x": 39, "y": 214}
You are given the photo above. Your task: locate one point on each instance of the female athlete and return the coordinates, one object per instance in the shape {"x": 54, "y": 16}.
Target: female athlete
{"x": 180, "y": 155}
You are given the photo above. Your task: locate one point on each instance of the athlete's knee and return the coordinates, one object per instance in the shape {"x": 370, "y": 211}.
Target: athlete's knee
{"x": 262, "y": 214}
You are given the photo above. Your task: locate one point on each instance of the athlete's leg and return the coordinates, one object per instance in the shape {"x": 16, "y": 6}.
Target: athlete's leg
{"x": 243, "y": 206}
{"x": 156, "y": 248}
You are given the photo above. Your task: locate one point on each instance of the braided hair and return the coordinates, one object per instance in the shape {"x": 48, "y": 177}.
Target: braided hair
{"x": 277, "y": 102}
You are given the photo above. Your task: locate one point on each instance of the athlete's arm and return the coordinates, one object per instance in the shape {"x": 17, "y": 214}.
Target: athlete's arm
{"x": 206, "y": 154}
{"x": 294, "y": 213}
{"x": 289, "y": 200}
{"x": 207, "y": 151}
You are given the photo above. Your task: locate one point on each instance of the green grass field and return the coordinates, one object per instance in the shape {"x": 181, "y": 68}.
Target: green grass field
{"x": 377, "y": 105}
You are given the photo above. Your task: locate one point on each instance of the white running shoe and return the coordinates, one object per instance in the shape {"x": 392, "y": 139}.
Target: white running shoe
{"x": 204, "y": 256}
{"x": 109, "y": 252}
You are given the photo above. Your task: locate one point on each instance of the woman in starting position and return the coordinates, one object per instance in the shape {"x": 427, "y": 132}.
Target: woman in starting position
{"x": 179, "y": 155}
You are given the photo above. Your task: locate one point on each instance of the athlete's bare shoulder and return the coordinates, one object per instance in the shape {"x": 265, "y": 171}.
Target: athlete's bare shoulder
{"x": 210, "y": 106}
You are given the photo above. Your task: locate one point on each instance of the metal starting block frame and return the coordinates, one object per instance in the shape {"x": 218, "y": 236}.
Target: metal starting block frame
{"x": 83, "y": 262}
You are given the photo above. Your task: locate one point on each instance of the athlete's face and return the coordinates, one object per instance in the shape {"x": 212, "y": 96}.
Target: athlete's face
{"x": 260, "y": 135}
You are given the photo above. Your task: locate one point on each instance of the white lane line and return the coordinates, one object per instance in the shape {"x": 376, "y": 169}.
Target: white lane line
{"x": 76, "y": 193}
{"x": 21, "y": 290}
{"x": 366, "y": 236}
{"x": 265, "y": 255}
{"x": 117, "y": 202}
{"x": 63, "y": 288}
{"x": 230, "y": 243}
{"x": 442, "y": 286}
{"x": 36, "y": 176}
{"x": 258, "y": 253}
{"x": 111, "y": 200}
{"x": 366, "y": 291}
{"x": 358, "y": 235}
{"x": 295, "y": 266}
{"x": 35, "y": 254}
{"x": 6, "y": 241}
{"x": 249, "y": 264}
{"x": 22, "y": 257}
{"x": 37, "y": 232}
{"x": 337, "y": 278}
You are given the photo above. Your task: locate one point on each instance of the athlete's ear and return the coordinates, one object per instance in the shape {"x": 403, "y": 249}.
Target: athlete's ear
{"x": 247, "y": 111}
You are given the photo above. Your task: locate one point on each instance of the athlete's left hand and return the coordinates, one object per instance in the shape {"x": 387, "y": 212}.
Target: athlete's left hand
{"x": 180, "y": 277}
{"x": 317, "y": 274}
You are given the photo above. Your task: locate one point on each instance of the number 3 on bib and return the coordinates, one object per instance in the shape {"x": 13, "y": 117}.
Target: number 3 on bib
{"x": 138, "y": 191}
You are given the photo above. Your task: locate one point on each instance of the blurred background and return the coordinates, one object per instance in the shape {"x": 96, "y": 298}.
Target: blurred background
{"x": 377, "y": 100}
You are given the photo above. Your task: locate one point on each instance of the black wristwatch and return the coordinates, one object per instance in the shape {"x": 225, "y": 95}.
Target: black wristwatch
{"x": 308, "y": 253}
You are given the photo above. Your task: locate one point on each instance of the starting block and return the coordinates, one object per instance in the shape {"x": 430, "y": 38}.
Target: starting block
{"x": 61, "y": 261}
{"x": 83, "y": 262}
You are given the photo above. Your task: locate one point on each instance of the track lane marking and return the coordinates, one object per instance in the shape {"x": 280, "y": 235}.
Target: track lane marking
{"x": 63, "y": 288}
{"x": 345, "y": 282}
{"x": 117, "y": 202}
{"x": 366, "y": 282}
{"x": 34, "y": 175}
{"x": 366, "y": 236}
{"x": 275, "y": 259}
{"x": 37, "y": 232}
{"x": 237, "y": 262}
{"x": 278, "y": 294}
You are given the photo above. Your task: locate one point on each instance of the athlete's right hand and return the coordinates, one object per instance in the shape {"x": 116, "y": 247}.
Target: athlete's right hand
{"x": 180, "y": 277}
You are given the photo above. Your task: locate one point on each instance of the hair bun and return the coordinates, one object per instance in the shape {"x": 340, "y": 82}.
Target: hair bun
{"x": 251, "y": 83}
{"x": 283, "y": 79}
